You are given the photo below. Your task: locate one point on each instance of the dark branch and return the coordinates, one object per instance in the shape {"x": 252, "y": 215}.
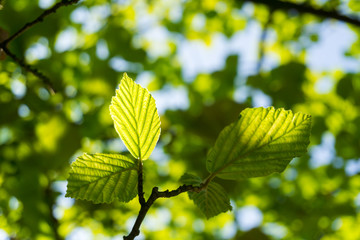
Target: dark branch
{"x": 27, "y": 67}
{"x": 31, "y": 69}
{"x": 38, "y": 20}
{"x": 305, "y": 8}
{"x": 181, "y": 189}
{"x": 155, "y": 194}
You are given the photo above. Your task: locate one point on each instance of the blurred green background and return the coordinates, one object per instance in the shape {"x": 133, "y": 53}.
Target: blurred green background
{"x": 203, "y": 61}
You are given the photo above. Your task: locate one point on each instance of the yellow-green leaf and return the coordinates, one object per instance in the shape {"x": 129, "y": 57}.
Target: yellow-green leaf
{"x": 262, "y": 141}
{"x": 102, "y": 178}
{"x": 136, "y": 118}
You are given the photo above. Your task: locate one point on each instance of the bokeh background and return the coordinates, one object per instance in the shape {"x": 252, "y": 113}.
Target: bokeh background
{"x": 203, "y": 61}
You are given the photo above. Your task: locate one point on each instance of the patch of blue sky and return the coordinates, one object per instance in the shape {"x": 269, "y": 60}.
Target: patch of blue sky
{"x": 18, "y": 87}
{"x": 4, "y": 235}
{"x": 198, "y": 22}
{"x": 80, "y": 233}
{"x": 249, "y": 217}
{"x": 159, "y": 155}
{"x": 327, "y": 54}
{"x": 37, "y": 51}
{"x": 229, "y": 230}
{"x": 290, "y": 174}
{"x": 75, "y": 113}
{"x": 79, "y": 15}
{"x": 175, "y": 12}
{"x": 145, "y": 78}
{"x": 198, "y": 225}
{"x": 196, "y": 57}
{"x": 121, "y": 65}
{"x": 70, "y": 91}
{"x": 68, "y": 39}
{"x": 336, "y": 224}
{"x": 247, "y": 10}
{"x": 6, "y": 135}
{"x": 171, "y": 98}
{"x": 260, "y": 99}
{"x": 122, "y": 2}
{"x": 157, "y": 39}
{"x": 150, "y": 33}
{"x": 324, "y": 85}
{"x": 345, "y": 9}
{"x": 357, "y": 202}
{"x": 115, "y": 145}
{"x": 23, "y": 111}
{"x": 275, "y": 230}
{"x": 92, "y": 19}
{"x": 44, "y": 4}
{"x": 62, "y": 203}
{"x": 102, "y": 50}
{"x": 245, "y": 43}
{"x": 159, "y": 220}
{"x": 324, "y": 153}
{"x": 352, "y": 167}
{"x": 14, "y": 203}
{"x": 43, "y": 94}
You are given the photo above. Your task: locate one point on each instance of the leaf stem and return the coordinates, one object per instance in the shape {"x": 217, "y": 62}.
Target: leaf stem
{"x": 209, "y": 179}
{"x": 140, "y": 184}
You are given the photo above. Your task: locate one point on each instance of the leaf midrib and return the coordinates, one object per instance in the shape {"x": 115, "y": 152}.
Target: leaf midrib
{"x": 100, "y": 178}
{"x": 255, "y": 149}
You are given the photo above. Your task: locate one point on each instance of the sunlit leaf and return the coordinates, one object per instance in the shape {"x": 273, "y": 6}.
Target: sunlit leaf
{"x": 262, "y": 141}
{"x": 102, "y": 178}
{"x": 136, "y": 118}
{"x": 212, "y": 200}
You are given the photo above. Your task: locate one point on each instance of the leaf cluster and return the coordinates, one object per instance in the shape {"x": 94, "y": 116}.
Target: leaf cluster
{"x": 262, "y": 141}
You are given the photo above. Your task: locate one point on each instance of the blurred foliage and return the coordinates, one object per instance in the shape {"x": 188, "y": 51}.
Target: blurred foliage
{"x": 85, "y": 48}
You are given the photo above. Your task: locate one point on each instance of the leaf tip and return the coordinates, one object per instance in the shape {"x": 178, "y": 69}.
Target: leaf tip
{"x": 126, "y": 78}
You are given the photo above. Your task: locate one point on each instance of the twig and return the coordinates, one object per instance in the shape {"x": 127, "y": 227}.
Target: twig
{"x": 155, "y": 194}
{"x": 27, "y": 67}
{"x": 305, "y": 8}
{"x": 31, "y": 69}
{"x": 38, "y": 20}
{"x": 140, "y": 184}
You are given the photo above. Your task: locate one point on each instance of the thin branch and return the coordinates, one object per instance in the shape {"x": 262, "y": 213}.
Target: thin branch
{"x": 181, "y": 189}
{"x": 38, "y": 20}
{"x": 31, "y": 69}
{"x": 155, "y": 194}
{"x": 305, "y": 8}
{"x": 21, "y": 62}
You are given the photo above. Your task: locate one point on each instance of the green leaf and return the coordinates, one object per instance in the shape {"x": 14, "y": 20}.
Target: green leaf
{"x": 212, "y": 200}
{"x": 262, "y": 141}
{"x": 102, "y": 178}
{"x": 136, "y": 118}
{"x": 354, "y": 5}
